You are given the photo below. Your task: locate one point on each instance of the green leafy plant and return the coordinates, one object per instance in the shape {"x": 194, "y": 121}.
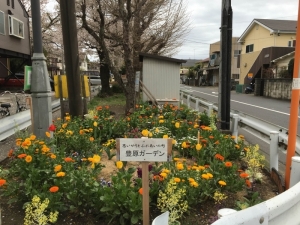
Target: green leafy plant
{"x": 254, "y": 199}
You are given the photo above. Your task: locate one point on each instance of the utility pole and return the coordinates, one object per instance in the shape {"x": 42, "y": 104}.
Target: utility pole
{"x": 291, "y": 148}
{"x": 40, "y": 84}
{"x": 69, "y": 31}
{"x": 225, "y": 65}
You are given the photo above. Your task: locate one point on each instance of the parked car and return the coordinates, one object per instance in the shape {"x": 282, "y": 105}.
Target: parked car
{"x": 93, "y": 76}
{"x": 17, "y": 81}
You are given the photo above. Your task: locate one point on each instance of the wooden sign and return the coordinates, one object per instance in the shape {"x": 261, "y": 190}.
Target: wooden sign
{"x": 144, "y": 150}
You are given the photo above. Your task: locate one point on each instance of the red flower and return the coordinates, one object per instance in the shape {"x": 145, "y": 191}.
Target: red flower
{"x": 52, "y": 128}
{"x": 2, "y": 182}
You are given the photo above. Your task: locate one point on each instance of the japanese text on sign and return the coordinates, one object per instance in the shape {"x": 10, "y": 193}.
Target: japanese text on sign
{"x": 151, "y": 150}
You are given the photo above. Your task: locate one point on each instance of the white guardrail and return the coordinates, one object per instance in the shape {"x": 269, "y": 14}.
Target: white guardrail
{"x": 19, "y": 121}
{"x": 283, "y": 209}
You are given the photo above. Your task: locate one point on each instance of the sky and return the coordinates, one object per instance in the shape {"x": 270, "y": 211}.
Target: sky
{"x": 205, "y": 20}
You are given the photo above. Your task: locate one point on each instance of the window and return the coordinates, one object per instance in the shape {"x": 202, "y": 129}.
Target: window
{"x": 249, "y": 48}
{"x": 235, "y": 76}
{"x": 236, "y": 53}
{"x": 2, "y": 26}
{"x": 292, "y": 43}
{"x": 16, "y": 27}
{"x": 213, "y": 56}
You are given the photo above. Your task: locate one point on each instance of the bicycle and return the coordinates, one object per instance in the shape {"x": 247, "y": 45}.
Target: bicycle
{"x": 4, "y": 107}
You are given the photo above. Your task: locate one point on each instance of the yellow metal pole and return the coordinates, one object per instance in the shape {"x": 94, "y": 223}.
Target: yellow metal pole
{"x": 294, "y": 107}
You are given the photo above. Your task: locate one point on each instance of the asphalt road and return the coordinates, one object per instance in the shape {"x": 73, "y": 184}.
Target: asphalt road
{"x": 275, "y": 111}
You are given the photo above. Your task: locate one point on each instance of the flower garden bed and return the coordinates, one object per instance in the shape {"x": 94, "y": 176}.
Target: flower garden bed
{"x": 69, "y": 169}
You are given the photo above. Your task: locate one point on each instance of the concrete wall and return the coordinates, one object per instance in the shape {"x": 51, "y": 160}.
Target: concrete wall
{"x": 278, "y": 88}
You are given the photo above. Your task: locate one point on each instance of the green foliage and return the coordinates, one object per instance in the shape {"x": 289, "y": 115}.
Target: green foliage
{"x": 247, "y": 202}
{"x": 116, "y": 88}
{"x": 122, "y": 200}
{"x": 205, "y": 166}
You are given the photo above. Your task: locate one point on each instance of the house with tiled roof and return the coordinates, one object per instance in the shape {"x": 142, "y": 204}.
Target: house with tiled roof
{"x": 263, "y": 41}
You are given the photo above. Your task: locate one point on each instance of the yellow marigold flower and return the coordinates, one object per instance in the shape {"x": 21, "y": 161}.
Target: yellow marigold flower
{"x": 165, "y": 136}
{"x": 196, "y": 126}
{"x": 233, "y": 137}
{"x": 69, "y": 132}
{"x": 94, "y": 159}
{"x": 195, "y": 168}
{"x": 119, "y": 164}
{"x": 67, "y": 118}
{"x": 160, "y": 117}
{"x": 205, "y": 176}
{"x": 174, "y": 142}
{"x": 164, "y": 175}
{"x": 179, "y": 166}
{"x": 156, "y": 130}
{"x": 184, "y": 144}
{"x": 28, "y": 158}
{"x": 176, "y": 159}
{"x": 241, "y": 136}
{"x": 177, "y": 124}
{"x": 198, "y": 147}
{"x": 64, "y": 125}
{"x": 210, "y": 175}
{"x": 61, "y": 174}
{"x": 92, "y": 139}
{"x": 177, "y": 180}
{"x": 57, "y": 168}
{"x": 165, "y": 171}
{"x": 145, "y": 133}
{"x": 32, "y": 137}
{"x": 150, "y": 134}
{"x": 161, "y": 121}
{"x": 52, "y": 156}
{"x": 194, "y": 184}
{"x": 191, "y": 180}
{"x": 237, "y": 146}
{"x": 201, "y": 167}
{"x": 95, "y": 124}
{"x": 222, "y": 183}
{"x": 48, "y": 134}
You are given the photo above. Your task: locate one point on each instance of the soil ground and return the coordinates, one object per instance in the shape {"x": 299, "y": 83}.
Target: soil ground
{"x": 204, "y": 214}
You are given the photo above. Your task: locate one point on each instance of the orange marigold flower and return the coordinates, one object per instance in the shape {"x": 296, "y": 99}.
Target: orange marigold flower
{"x": 54, "y": 189}
{"x": 91, "y": 139}
{"x": 210, "y": 175}
{"x": 19, "y": 141}
{"x": 191, "y": 180}
{"x": 28, "y": 158}
{"x": 246, "y": 149}
{"x": 206, "y": 166}
{"x": 248, "y": 183}
{"x": 141, "y": 191}
{"x": 52, "y": 156}
{"x": 11, "y": 153}
{"x": 179, "y": 166}
{"x": 204, "y": 141}
{"x": 220, "y": 157}
{"x": 69, "y": 159}
{"x": 22, "y": 156}
{"x": 194, "y": 184}
{"x": 32, "y": 137}
{"x": 81, "y": 132}
{"x": 2, "y": 182}
{"x": 99, "y": 108}
{"x": 237, "y": 146}
{"x": 211, "y": 137}
{"x": 228, "y": 164}
{"x": 57, "y": 168}
{"x": 217, "y": 142}
{"x": 244, "y": 175}
{"x": 233, "y": 137}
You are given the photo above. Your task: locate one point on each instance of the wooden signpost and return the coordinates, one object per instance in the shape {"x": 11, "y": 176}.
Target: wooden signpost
{"x": 144, "y": 150}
